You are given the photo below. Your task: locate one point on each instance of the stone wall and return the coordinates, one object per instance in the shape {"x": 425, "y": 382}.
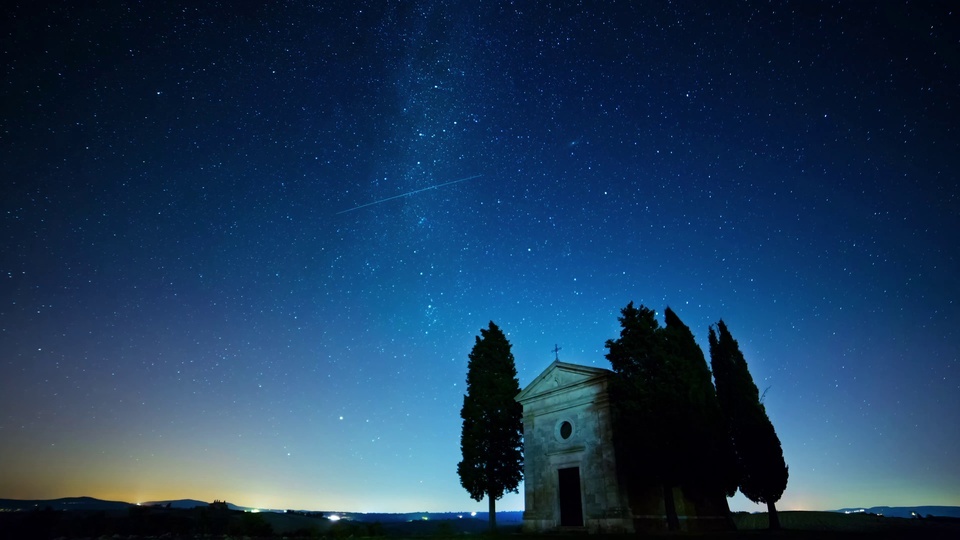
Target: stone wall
{"x": 567, "y": 424}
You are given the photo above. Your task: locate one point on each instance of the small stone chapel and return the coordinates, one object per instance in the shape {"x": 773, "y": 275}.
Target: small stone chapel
{"x": 571, "y": 479}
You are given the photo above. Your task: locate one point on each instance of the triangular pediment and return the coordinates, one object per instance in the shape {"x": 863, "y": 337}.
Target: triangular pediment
{"x": 560, "y": 376}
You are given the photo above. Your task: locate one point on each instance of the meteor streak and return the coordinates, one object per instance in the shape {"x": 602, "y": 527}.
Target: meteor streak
{"x": 407, "y": 194}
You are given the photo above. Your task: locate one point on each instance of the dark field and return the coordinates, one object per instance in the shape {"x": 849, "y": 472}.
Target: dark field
{"x": 209, "y": 524}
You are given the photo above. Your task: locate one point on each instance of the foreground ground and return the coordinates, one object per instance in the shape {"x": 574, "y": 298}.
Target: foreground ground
{"x": 209, "y": 524}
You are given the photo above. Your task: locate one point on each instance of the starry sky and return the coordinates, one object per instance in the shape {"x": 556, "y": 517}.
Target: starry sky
{"x": 246, "y": 249}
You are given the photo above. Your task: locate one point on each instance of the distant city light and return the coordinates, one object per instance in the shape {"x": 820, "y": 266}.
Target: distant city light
{"x": 474, "y": 514}
{"x": 334, "y": 517}
{"x": 255, "y": 511}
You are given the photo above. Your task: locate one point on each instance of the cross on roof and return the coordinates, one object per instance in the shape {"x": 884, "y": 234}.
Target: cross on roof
{"x": 556, "y": 352}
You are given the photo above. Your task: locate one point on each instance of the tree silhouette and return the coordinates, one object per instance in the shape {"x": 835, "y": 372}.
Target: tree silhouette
{"x": 763, "y": 471}
{"x": 706, "y": 448}
{"x": 645, "y": 394}
{"x": 491, "y": 439}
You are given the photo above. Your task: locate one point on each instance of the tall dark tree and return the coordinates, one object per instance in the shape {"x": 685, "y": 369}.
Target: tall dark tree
{"x": 644, "y": 394}
{"x": 491, "y": 440}
{"x": 763, "y": 471}
{"x": 710, "y": 470}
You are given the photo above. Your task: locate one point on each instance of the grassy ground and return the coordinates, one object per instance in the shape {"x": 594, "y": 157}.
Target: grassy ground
{"x": 796, "y": 526}
{"x": 835, "y": 525}
{"x": 185, "y": 524}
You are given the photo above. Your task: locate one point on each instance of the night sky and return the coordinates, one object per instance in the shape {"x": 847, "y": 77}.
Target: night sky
{"x": 225, "y": 275}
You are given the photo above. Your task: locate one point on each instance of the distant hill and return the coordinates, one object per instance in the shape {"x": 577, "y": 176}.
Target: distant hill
{"x": 503, "y": 518}
{"x": 66, "y": 503}
{"x": 189, "y": 503}
{"x": 905, "y": 511}
{"x": 92, "y": 504}
{"x": 179, "y": 503}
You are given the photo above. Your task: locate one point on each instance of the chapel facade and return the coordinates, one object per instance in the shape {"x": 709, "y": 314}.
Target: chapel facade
{"x": 572, "y": 480}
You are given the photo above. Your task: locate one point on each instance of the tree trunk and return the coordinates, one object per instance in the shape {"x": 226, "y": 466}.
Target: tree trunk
{"x": 773, "y": 516}
{"x": 670, "y": 506}
{"x": 493, "y": 513}
{"x": 725, "y": 508}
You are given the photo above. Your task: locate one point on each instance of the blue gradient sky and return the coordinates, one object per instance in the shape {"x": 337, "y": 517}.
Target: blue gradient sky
{"x": 185, "y": 311}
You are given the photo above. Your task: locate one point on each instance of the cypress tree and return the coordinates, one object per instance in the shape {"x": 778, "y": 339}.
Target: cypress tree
{"x": 645, "y": 395}
{"x": 707, "y": 451}
{"x": 491, "y": 440}
{"x": 762, "y": 469}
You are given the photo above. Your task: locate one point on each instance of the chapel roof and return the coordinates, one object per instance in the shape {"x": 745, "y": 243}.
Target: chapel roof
{"x": 559, "y": 376}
